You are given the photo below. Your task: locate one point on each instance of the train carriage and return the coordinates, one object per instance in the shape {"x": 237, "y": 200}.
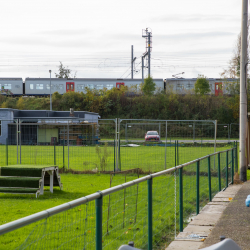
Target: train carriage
{"x": 11, "y": 86}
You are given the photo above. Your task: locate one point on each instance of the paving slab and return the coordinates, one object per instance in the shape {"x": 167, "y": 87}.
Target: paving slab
{"x": 213, "y": 208}
{"x": 205, "y": 219}
{"x": 221, "y": 199}
{"x": 185, "y": 245}
{"x": 196, "y": 229}
{"x": 202, "y": 226}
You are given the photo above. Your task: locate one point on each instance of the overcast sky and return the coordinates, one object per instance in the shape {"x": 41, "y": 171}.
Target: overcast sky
{"x": 94, "y": 37}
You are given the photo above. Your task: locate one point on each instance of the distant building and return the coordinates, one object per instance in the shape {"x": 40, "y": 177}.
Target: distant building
{"x": 44, "y": 127}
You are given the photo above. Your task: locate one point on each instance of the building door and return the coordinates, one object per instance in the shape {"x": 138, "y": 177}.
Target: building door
{"x": 119, "y": 84}
{"x": 218, "y": 89}
{"x": 70, "y": 86}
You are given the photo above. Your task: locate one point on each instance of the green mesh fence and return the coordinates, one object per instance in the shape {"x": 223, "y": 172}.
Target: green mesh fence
{"x": 125, "y": 209}
{"x": 110, "y": 144}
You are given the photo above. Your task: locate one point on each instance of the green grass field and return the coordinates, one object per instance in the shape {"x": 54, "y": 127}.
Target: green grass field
{"x": 124, "y": 212}
{"x": 91, "y": 158}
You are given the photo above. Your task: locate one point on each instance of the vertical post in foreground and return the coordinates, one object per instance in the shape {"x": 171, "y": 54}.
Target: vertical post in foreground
{"x": 6, "y": 151}
{"x": 197, "y": 187}
{"x": 243, "y": 89}
{"x": 68, "y": 142}
{"x": 236, "y": 156}
{"x": 227, "y": 169}
{"x": 114, "y": 155}
{"x": 175, "y": 158}
{"x": 98, "y": 238}
{"x": 150, "y": 215}
{"x": 63, "y": 147}
{"x": 181, "y": 199}
{"x": 17, "y": 140}
{"x": 219, "y": 176}
{"x": 166, "y": 145}
{"x": 232, "y": 167}
{"x": 54, "y": 151}
{"x": 209, "y": 178}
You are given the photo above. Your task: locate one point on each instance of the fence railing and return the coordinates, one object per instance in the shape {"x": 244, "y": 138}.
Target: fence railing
{"x": 106, "y": 145}
{"x": 150, "y": 210}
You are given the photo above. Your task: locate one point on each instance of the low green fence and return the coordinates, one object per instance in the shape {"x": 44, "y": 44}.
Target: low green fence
{"x": 150, "y": 210}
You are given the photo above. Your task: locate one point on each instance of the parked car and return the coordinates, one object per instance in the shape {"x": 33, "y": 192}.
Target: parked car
{"x": 152, "y": 136}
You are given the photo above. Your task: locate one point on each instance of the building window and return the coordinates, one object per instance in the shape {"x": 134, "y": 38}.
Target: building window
{"x": 39, "y": 86}
{"x": 31, "y": 86}
{"x": 109, "y": 86}
{"x": 7, "y": 86}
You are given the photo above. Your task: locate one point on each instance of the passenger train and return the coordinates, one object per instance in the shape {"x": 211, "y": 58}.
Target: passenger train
{"x": 41, "y": 86}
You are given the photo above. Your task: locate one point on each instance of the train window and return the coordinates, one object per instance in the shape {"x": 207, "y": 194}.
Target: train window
{"x": 17, "y": 86}
{"x": 80, "y": 86}
{"x": 190, "y": 86}
{"x": 90, "y": 86}
{"x": 110, "y": 86}
{"x": 99, "y": 86}
{"x": 31, "y": 86}
{"x": 39, "y": 86}
{"x": 47, "y": 86}
{"x": 0, "y": 128}
{"x": 60, "y": 86}
{"x": 7, "y": 86}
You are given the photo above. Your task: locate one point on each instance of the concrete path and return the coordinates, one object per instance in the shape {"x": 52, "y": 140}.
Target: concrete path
{"x": 225, "y": 215}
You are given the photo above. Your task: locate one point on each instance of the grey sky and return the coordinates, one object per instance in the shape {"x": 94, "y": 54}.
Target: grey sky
{"x": 94, "y": 38}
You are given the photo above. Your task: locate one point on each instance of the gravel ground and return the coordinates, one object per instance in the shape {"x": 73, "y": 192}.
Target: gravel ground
{"x": 234, "y": 222}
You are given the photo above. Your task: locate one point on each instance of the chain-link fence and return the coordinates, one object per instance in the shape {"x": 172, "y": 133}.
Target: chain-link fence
{"x": 150, "y": 210}
{"x": 107, "y": 145}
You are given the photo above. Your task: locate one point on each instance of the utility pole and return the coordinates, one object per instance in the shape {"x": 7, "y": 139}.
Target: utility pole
{"x": 132, "y": 61}
{"x": 142, "y": 65}
{"x": 148, "y": 35}
{"x": 243, "y": 94}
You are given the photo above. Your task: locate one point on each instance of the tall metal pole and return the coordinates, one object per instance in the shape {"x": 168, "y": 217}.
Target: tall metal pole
{"x": 132, "y": 61}
{"x": 149, "y": 46}
{"x": 142, "y": 68}
{"x": 50, "y": 92}
{"x": 243, "y": 95}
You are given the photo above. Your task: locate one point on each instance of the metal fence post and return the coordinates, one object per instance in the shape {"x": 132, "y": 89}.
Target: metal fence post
{"x": 6, "y": 151}
{"x": 119, "y": 154}
{"x": 114, "y": 156}
{"x": 98, "y": 238}
{"x": 181, "y": 199}
{"x": 236, "y": 156}
{"x": 150, "y": 215}
{"x": 63, "y": 149}
{"x": 54, "y": 151}
{"x": 232, "y": 167}
{"x": 227, "y": 169}
{"x": 175, "y": 153}
{"x": 219, "y": 176}
{"x": 209, "y": 179}
{"x": 197, "y": 187}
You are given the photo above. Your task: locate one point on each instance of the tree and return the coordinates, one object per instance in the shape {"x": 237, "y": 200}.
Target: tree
{"x": 148, "y": 87}
{"x": 201, "y": 85}
{"x": 64, "y": 72}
